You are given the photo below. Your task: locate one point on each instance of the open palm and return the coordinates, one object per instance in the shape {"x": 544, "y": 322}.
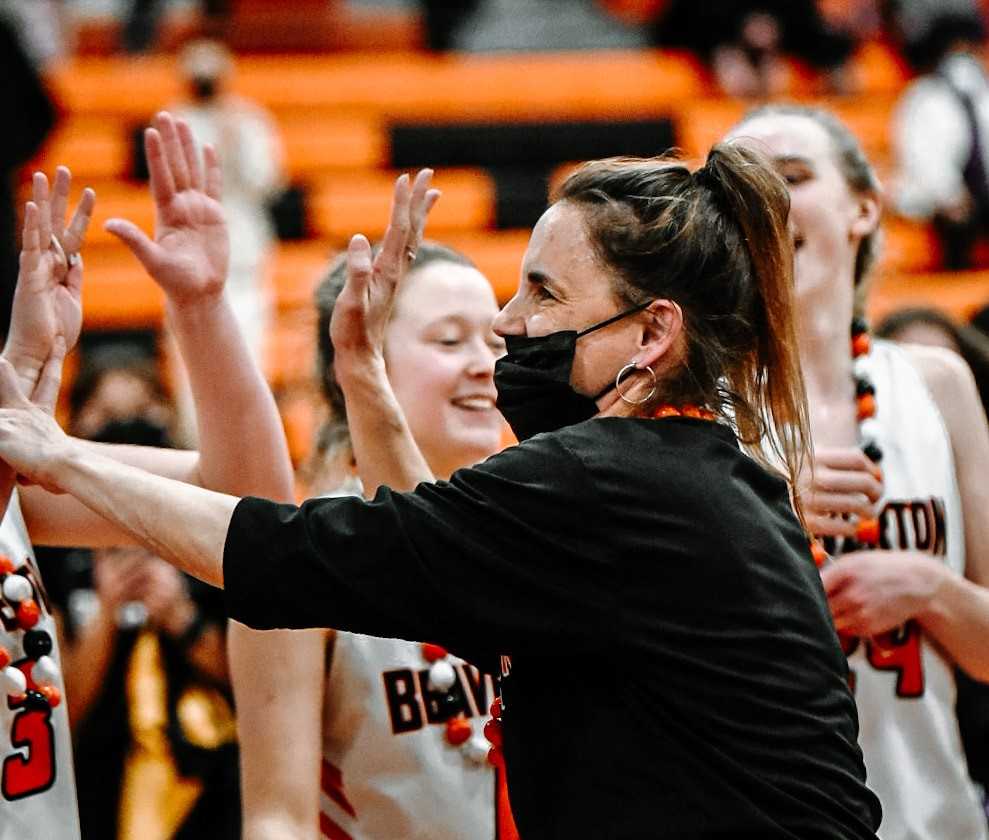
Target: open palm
{"x": 48, "y": 298}
{"x": 190, "y": 253}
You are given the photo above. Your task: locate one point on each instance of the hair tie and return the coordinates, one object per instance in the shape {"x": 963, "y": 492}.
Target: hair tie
{"x": 707, "y": 177}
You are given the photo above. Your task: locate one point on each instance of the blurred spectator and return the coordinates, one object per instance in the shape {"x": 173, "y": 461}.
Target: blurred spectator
{"x": 250, "y": 153}
{"x": 526, "y": 25}
{"x": 33, "y": 116}
{"x": 980, "y": 320}
{"x": 936, "y": 329}
{"x": 39, "y": 25}
{"x": 743, "y": 40}
{"x": 143, "y": 652}
{"x": 140, "y": 32}
{"x": 940, "y": 134}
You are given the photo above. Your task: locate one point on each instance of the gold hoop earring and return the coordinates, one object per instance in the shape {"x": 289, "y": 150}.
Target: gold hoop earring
{"x": 618, "y": 381}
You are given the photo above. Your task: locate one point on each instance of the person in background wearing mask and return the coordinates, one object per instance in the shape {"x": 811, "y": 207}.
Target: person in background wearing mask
{"x": 941, "y": 136}
{"x": 247, "y": 143}
{"x": 143, "y": 649}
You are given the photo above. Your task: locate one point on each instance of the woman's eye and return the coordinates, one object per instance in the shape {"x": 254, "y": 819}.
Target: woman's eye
{"x": 794, "y": 178}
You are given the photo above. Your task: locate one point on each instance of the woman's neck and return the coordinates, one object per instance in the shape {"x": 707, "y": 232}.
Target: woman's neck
{"x": 824, "y": 344}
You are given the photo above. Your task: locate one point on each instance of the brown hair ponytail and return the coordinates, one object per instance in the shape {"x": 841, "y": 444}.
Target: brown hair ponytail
{"x": 715, "y": 242}
{"x": 770, "y": 384}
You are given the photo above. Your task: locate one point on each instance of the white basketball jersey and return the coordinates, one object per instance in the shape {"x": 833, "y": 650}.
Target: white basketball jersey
{"x": 388, "y": 771}
{"x": 905, "y": 689}
{"x": 37, "y": 786}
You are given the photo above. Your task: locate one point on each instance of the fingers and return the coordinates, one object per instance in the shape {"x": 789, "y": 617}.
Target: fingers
{"x": 857, "y": 504}
{"x": 60, "y": 200}
{"x": 74, "y": 235}
{"x": 396, "y": 239}
{"x": 419, "y": 207}
{"x": 359, "y": 266}
{"x": 31, "y": 241}
{"x": 172, "y": 145}
{"x": 845, "y": 458}
{"x": 46, "y": 391}
{"x": 848, "y": 482}
{"x": 191, "y": 154}
{"x": 214, "y": 173}
{"x": 162, "y": 183}
{"x": 42, "y": 199}
{"x": 822, "y": 525}
{"x": 136, "y": 240}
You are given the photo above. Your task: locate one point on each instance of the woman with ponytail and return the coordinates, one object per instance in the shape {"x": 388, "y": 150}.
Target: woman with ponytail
{"x": 668, "y": 666}
{"x": 899, "y": 500}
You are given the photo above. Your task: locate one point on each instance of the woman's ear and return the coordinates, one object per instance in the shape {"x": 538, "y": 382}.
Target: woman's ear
{"x": 662, "y": 328}
{"x": 868, "y": 210}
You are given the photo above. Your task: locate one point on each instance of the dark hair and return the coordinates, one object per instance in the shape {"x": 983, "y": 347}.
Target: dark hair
{"x": 925, "y": 51}
{"x": 334, "y": 432}
{"x": 715, "y": 242}
{"x": 854, "y": 165}
{"x": 973, "y": 346}
{"x": 110, "y": 358}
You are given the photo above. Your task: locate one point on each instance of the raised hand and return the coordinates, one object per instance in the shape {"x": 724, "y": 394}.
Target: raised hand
{"x": 31, "y": 442}
{"x": 48, "y": 298}
{"x": 190, "y": 253}
{"x": 363, "y": 307}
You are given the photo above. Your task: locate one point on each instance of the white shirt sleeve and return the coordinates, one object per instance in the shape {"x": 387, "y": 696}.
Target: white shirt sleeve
{"x": 931, "y": 141}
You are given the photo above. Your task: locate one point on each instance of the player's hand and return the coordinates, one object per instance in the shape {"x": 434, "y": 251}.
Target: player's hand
{"x": 364, "y": 306}
{"x": 871, "y": 592}
{"x": 190, "y": 254}
{"x": 846, "y": 487}
{"x": 48, "y": 298}
{"x": 31, "y": 442}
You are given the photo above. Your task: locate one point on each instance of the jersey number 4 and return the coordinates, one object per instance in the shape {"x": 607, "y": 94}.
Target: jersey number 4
{"x": 25, "y": 776}
{"x": 898, "y": 650}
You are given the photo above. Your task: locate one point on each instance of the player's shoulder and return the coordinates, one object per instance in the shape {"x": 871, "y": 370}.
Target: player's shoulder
{"x": 943, "y": 371}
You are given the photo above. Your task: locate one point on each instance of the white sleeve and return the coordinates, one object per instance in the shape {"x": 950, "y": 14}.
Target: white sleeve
{"x": 931, "y": 142}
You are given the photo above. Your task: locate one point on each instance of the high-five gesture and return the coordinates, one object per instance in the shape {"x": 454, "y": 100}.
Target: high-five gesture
{"x": 190, "y": 253}
{"x": 48, "y": 299}
{"x": 362, "y": 310}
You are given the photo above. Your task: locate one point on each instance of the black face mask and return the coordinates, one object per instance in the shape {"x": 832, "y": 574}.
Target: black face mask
{"x": 533, "y": 381}
{"x": 204, "y": 88}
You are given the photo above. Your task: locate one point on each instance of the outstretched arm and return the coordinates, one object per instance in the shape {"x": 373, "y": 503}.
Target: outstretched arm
{"x": 235, "y": 410}
{"x": 384, "y": 448}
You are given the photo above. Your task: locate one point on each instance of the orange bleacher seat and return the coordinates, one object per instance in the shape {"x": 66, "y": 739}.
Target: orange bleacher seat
{"x": 908, "y": 247}
{"x": 498, "y": 255}
{"x": 120, "y": 200}
{"x": 407, "y": 86}
{"x": 91, "y": 148}
{"x": 296, "y": 269}
{"x": 345, "y": 204}
{"x": 117, "y": 293}
{"x": 959, "y": 293}
{"x": 318, "y": 141}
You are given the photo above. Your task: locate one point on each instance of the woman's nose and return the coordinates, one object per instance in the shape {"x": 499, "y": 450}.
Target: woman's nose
{"x": 509, "y": 321}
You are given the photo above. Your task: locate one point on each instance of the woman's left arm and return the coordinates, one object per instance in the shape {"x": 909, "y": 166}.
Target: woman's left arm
{"x": 958, "y": 613}
{"x": 882, "y": 589}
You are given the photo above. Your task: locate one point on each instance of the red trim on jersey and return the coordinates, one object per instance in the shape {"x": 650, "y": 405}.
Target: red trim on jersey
{"x": 331, "y": 780}
{"x": 331, "y": 830}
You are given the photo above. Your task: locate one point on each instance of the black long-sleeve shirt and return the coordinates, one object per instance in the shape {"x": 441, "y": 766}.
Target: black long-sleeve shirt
{"x": 674, "y": 669}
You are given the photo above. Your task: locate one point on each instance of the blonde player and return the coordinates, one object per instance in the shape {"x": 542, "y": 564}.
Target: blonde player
{"x": 402, "y": 754}
{"x": 894, "y": 428}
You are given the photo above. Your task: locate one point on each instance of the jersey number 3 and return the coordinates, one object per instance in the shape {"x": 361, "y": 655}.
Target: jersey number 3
{"x": 32, "y": 730}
